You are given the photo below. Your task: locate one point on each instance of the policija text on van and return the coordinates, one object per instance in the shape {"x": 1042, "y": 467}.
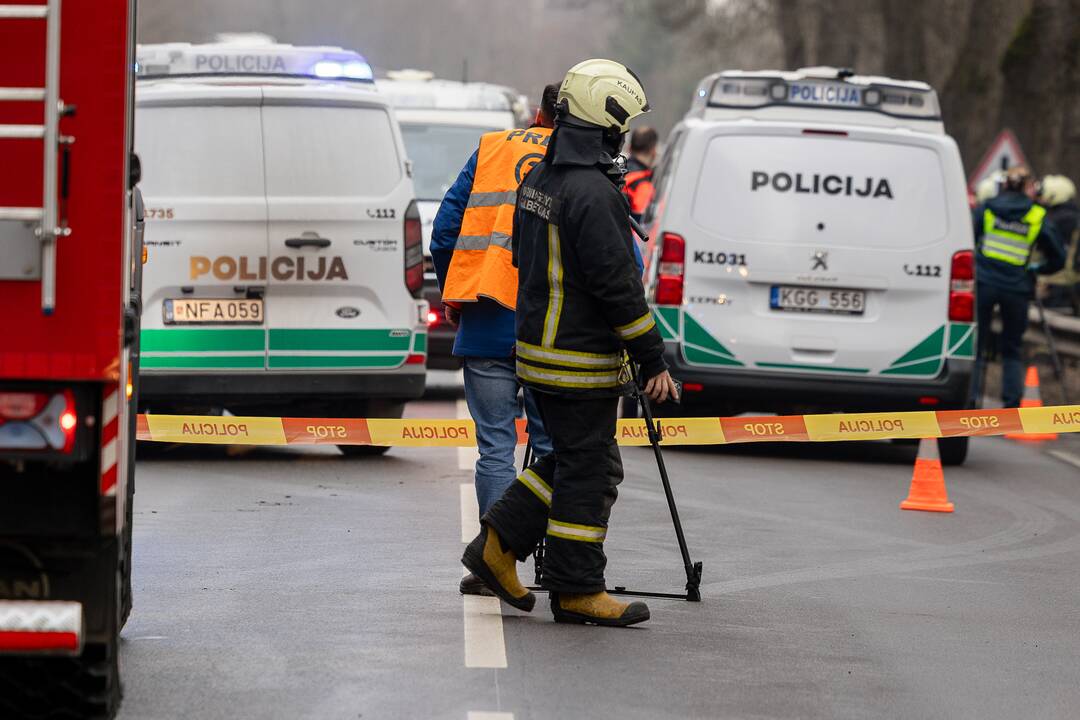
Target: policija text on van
{"x": 817, "y": 184}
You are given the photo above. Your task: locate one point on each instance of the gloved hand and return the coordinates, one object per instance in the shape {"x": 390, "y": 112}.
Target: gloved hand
{"x": 660, "y": 387}
{"x": 453, "y": 315}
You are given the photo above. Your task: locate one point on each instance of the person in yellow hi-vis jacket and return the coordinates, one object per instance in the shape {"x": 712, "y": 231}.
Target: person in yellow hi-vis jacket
{"x": 1008, "y": 230}
{"x": 581, "y": 309}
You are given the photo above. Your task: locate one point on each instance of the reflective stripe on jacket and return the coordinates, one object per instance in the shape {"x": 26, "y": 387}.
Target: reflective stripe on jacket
{"x": 481, "y": 264}
{"x": 1010, "y": 241}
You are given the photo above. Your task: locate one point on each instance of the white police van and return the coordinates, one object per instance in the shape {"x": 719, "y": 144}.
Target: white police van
{"x": 285, "y": 264}
{"x": 442, "y": 121}
{"x": 812, "y": 248}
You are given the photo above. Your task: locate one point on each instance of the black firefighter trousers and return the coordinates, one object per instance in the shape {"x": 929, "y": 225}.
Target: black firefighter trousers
{"x": 566, "y": 494}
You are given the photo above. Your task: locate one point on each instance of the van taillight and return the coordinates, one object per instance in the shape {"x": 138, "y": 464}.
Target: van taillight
{"x": 414, "y": 251}
{"x": 669, "y": 271}
{"x": 962, "y": 287}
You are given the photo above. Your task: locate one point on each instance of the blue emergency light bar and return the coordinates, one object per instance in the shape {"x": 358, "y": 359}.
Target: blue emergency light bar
{"x": 177, "y": 60}
{"x": 823, "y": 88}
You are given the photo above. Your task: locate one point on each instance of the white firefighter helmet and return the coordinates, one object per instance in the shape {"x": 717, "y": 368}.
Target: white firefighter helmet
{"x": 989, "y": 187}
{"x": 1057, "y": 189}
{"x": 603, "y": 93}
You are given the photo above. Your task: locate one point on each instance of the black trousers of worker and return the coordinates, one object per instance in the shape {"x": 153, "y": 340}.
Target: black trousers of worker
{"x": 566, "y": 494}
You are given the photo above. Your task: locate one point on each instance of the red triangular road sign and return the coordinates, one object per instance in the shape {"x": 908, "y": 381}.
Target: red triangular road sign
{"x": 1005, "y": 152}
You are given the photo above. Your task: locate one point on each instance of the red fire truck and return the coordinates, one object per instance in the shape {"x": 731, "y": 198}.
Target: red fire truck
{"x": 70, "y": 262}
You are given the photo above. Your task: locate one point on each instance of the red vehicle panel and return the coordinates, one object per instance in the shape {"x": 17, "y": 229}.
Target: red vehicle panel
{"x": 81, "y": 339}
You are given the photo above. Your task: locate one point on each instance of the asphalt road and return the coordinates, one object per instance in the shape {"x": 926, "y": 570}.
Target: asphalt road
{"x": 301, "y": 584}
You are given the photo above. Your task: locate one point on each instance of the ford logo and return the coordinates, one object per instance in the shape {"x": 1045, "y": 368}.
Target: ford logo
{"x": 348, "y": 313}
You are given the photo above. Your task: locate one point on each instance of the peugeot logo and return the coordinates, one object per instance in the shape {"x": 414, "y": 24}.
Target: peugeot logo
{"x": 820, "y": 260}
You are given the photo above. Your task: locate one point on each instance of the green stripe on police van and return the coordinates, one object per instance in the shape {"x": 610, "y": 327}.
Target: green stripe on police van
{"x": 324, "y": 339}
{"x": 420, "y": 343}
{"x": 962, "y": 340}
{"x": 667, "y": 319}
{"x": 336, "y": 361}
{"x": 206, "y": 362}
{"x": 202, "y": 339}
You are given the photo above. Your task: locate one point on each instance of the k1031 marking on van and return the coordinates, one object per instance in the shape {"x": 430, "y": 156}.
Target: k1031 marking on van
{"x": 227, "y": 267}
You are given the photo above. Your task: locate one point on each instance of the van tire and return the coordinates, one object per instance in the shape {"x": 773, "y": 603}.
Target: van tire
{"x": 380, "y": 409}
{"x": 363, "y": 450}
{"x": 953, "y": 450}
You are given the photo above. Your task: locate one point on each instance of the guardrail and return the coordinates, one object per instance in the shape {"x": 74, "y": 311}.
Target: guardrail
{"x": 1066, "y": 330}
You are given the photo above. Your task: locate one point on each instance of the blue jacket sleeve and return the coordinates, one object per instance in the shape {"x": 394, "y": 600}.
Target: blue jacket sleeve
{"x": 447, "y": 225}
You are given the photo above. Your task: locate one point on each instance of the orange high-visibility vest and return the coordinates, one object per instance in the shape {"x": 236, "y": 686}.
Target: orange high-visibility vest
{"x": 481, "y": 264}
{"x": 639, "y": 189}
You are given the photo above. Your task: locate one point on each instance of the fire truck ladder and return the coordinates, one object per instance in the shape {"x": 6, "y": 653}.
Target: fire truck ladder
{"x": 49, "y": 227}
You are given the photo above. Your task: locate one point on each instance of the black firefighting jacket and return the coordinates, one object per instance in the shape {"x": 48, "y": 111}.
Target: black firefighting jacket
{"x": 580, "y": 304}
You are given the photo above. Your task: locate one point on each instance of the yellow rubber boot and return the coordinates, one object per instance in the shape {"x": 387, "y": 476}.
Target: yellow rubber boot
{"x": 497, "y": 568}
{"x": 597, "y": 609}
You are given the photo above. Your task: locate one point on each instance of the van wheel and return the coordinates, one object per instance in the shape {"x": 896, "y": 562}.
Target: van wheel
{"x": 382, "y": 409}
{"x": 363, "y": 450}
{"x": 953, "y": 450}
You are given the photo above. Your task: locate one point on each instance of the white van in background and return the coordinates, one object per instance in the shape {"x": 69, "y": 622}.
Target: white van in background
{"x": 442, "y": 121}
{"x": 285, "y": 266}
{"x": 812, "y": 248}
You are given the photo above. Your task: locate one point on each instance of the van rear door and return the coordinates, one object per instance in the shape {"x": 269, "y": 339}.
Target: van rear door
{"x": 822, "y": 251}
{"x": 202, "y": 159}
{"x": 337, "y": 194}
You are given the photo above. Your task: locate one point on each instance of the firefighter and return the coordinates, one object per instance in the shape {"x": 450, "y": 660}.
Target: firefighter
{"x": 1058, "y": 195}
{"x": 1008, "y": 229}
{"x": 470, "y": 248}
{"x": 581, "y": 308}
{"x": 639, "y": 187}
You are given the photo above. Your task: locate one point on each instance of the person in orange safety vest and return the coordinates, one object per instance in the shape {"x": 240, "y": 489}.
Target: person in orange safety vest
{"x": 470, "y": 249}
{"x": 639, "y": 170}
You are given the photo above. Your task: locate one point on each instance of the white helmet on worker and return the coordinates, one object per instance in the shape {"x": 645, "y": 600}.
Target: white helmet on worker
{"x": 603, "y": 93}
{"x": 1057, "y": 189}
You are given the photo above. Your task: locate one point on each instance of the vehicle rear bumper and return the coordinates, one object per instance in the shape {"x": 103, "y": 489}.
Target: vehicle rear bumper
{"x": 278, "y": 387}
{"x": 770, "y": 391}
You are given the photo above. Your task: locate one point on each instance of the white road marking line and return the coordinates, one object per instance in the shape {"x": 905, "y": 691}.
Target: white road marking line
{"x": 484, "y": 643}
{"x": 466, "y": 456}
{"x": 470, "y": 513}
{"x": 1066, "y": 457}
{"x": 474, "y": 715}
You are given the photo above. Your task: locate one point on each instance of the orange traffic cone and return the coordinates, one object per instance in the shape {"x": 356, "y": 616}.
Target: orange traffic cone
{"x": 928, "y": 483}
{"x": 1032, "y": 398}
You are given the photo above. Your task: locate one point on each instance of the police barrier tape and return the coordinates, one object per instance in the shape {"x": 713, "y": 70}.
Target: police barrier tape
{"x": 423, "y": 432}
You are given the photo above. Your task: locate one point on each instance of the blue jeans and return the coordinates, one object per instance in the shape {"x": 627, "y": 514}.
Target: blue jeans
{"x": 1013, "y": 307}
{"x": 491, "y": 391}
